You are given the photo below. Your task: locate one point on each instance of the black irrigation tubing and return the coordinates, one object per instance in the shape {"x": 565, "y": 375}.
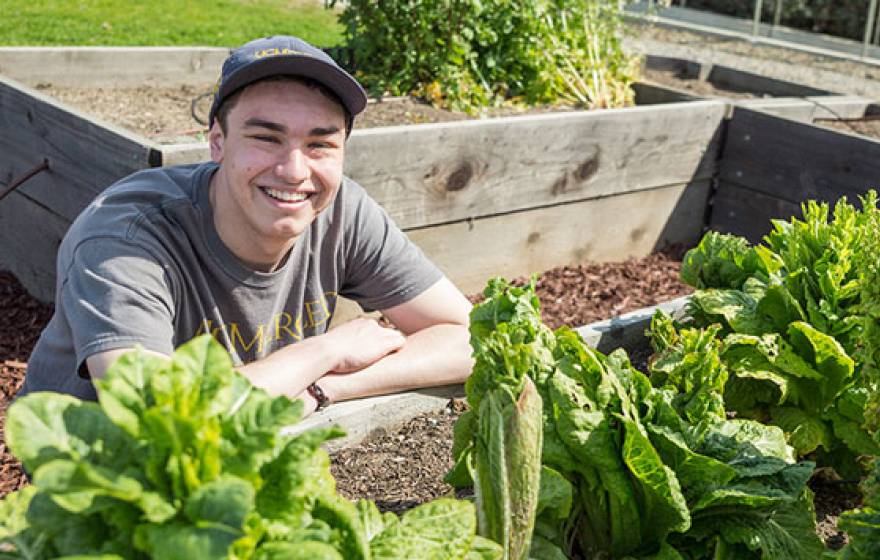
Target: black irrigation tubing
{"x": 194, "y": 103}
{"x": 44, "y": 166}
{"x": 839, "y": 118}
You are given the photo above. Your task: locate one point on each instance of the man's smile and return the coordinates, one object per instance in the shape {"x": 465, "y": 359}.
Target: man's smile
{"x": 285, "y": 196}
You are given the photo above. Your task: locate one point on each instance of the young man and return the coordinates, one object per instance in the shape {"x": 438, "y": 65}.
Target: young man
{"x": 254, "y": 247}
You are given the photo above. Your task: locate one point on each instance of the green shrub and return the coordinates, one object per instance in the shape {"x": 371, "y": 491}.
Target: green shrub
{"x": 469, "y": 54}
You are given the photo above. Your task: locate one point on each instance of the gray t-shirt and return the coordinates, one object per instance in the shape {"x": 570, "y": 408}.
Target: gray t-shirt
{"x": 143, "y": 264}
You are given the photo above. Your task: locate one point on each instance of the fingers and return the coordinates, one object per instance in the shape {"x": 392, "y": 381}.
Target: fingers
{"x": 361, "y": 342}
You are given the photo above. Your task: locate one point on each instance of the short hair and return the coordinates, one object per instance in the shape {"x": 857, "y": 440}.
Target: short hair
{"x": 229, "y": 103}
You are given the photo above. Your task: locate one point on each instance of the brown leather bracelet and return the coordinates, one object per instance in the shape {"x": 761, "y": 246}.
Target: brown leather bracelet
{"x": 318, "y": 394}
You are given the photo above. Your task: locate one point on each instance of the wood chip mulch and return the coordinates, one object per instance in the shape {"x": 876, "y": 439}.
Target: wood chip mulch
{"x": 577, "y": 295}
{"x": 23, "y": 320}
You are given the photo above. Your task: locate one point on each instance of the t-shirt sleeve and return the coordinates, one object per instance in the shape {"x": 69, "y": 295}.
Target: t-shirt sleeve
{"x": 383, "y": 268}
{"x": 117, "y": 294}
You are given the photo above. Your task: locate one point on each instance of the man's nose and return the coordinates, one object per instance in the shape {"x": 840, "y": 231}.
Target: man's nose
{"x": 294, "y": 167}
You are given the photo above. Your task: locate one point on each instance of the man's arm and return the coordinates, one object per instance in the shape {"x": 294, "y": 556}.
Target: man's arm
{"x": 290, "y": 370}
{"x": 436, "y": 352}
{"x": 361, "y": 358}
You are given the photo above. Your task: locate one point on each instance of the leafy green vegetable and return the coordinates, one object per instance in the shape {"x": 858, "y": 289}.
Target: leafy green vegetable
{"x": 184, "y": 458}
{"x": 798, "y": 320}
{"x": 499, "y": 443}
{"x": 635, "y": 470}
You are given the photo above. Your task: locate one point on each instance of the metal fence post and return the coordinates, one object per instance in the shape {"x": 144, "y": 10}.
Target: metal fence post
{"x": 869, "y": 26}
{"x": 757, "y": 21}
{"x": 876, "y": 39}
{"x": 777, "y": 16}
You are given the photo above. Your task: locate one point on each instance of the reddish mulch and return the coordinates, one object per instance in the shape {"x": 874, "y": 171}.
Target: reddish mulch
{"x": 23, "y": 320}
{"x": 577, "y": 295}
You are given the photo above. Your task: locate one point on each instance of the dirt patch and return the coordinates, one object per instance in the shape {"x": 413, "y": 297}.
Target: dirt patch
{"x": 402, "y": 469}
{"x": 692, "y": 85}
{"x": 833, "y": 497}
{"x": 177, "y": 114}
{"x": 865, "y": 127}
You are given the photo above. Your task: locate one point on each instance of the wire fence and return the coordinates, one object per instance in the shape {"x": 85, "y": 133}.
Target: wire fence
{"x": 855, "y": 20}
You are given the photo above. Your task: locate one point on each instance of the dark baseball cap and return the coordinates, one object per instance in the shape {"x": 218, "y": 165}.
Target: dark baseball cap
{"x": 283, "y": 55}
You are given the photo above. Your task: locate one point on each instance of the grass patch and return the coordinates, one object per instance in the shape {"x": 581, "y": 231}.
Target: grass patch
{"x": 222, "y": 23}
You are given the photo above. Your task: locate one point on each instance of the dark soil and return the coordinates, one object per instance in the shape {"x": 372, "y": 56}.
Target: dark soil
{"x": 692, "y": 85}
{"x": 832, "y": 498}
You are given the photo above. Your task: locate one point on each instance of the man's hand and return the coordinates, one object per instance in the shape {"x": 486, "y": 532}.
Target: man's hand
{"x": 362, "y": 342}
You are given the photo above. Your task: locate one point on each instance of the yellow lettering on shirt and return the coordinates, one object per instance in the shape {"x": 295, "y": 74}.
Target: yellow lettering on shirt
{"x": 239, "y": 342}
{"x": 281, "y": 328}
{"x": 295, "y": 334}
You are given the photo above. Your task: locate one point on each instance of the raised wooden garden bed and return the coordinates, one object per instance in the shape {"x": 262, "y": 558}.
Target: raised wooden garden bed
{"x": 484, "y": 197}
{"x": 506, "y": 196}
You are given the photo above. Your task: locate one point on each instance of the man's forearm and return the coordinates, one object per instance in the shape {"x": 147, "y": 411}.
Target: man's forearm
{"x": 435, "y": 356}
{"x": 290, "y": 370}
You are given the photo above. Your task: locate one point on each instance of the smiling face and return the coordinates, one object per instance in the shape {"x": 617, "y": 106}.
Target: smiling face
{"x": 280, "y": 166}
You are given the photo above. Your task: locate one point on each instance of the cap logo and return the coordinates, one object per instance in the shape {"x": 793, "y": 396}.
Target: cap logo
{"x": 275, "y": 51}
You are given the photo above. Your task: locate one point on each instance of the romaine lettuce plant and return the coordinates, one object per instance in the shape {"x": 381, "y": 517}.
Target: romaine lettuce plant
{"x": 630, "y": 470}
{"x": 183, "y": 459}
{"x": 795, "y": 314}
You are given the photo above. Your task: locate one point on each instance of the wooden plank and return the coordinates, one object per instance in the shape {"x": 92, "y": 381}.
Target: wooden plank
{"x": 85, "y": 156}
{"x": 439, "y": 173}
{"x": 181, "y": 154}
{"x": 518, "y": 244}
{"x": 740, "y": 80}
{"x": 30, "y": 235}
{"x": 797, "y": 161}
{"x": 842, "y": 107}
{"x": 447, "y": 172}
{"x": 810, "y": 108}
{"x": 606, "y": 229}
{"x": 742, "y": 211}
{"x": 112, "y": 66}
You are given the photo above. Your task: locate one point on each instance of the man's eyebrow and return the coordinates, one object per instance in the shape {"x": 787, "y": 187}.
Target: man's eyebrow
{"x": 277, "y": 127}
{"x": 265, "y": 124}
{"x": 319, "y": 131}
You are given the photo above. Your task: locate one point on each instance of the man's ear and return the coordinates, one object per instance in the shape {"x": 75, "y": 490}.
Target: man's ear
{"x": 215, "y": 142}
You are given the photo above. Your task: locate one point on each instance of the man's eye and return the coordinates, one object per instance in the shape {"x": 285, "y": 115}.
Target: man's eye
{"x": 320, "y": 145}
{"x": 265, "y": 138}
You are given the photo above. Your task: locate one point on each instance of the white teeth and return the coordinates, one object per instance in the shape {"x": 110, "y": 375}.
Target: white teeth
{"x": 286, "y": 196}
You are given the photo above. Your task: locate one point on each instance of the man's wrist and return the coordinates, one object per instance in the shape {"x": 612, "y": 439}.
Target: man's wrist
{"x": 317, "y": 393}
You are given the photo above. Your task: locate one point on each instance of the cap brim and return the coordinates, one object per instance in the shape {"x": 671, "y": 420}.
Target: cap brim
{"x": 350, "y": 92}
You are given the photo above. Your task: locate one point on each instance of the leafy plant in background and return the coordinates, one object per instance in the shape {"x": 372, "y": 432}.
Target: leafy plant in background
{"x": 793, "y": 314}
{"x": 183, "y": 458}
{"x": 468, "y": 54}
{"x": 635, "y": 471}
